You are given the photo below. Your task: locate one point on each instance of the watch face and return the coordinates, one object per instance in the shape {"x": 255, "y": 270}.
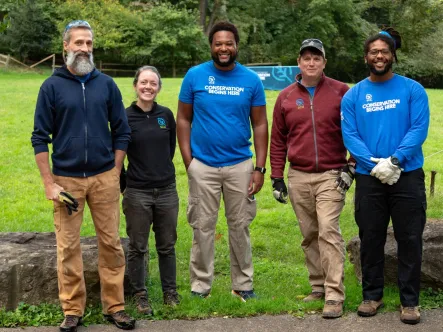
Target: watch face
{"x": 395, "y": 161}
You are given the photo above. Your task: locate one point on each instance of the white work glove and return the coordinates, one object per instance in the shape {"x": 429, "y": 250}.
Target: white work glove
{"x": 385, "y": 171}
{"x": 345, "y": 178}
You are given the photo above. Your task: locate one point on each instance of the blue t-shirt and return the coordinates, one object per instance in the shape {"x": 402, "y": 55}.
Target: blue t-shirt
{"x": 83, "y": 79}
{"x": 383, "y": 119}
{"x": 222, "y": 101}
{"x": 311, "y": 90}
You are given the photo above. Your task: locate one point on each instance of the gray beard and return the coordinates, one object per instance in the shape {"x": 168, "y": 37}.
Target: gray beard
{"x": 80, "y": 65}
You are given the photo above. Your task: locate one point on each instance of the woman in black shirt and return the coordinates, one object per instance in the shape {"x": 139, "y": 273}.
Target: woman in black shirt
{"x": 150, "y": 197}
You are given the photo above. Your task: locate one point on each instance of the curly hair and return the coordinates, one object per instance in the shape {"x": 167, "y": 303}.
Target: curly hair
{"x": 224, "y": 26}
{"x": 390, "y": 36}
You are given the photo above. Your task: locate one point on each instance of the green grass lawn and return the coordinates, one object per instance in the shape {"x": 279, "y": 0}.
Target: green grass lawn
{"x": 280, "y": 279}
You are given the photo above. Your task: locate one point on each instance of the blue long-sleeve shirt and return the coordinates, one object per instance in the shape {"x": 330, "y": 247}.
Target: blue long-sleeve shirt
{"x": 383, "y": 119}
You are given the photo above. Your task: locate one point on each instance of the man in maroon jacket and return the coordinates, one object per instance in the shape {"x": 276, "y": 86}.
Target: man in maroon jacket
{"x": 306, "y": 130}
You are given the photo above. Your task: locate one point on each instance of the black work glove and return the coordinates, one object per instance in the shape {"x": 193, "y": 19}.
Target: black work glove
{"x": 280, "y": 191}
{"x": 69, "y": 200}
{"x": 123, "y": 179}
{"x": 345, "y": 178}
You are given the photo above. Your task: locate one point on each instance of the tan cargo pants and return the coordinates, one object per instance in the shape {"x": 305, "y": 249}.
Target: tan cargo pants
{"x": 317, "y": 205}
{"x": 206, "y": 184}
{"x": 102, "y": 193}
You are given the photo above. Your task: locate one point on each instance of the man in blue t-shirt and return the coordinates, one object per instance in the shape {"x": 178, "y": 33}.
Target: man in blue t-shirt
{"x": 385, "y": 120}
{"x": 219, "y": 101}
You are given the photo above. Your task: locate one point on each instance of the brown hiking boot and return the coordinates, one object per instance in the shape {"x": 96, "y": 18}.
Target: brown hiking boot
{"x": 410, "y": 315}
{"x": 70, "y": 323}
{"x": 121, "y": 319}
{"x": 171, "y": 298}
{"x": 314, "y": 296}
{"x": 369, "y": 308}
{"x": 143, "y": 305}
{"x": 332, "y": 309}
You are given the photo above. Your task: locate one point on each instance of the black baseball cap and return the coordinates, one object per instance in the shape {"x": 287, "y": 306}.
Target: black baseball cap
{"x": 313, "y": 43}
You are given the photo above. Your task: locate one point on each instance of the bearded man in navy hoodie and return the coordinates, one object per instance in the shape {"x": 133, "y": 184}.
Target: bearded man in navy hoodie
{"x": 80, "y": 111}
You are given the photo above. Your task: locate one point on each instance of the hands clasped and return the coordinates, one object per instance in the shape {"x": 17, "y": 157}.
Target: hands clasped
{"x": 385, "y": 170}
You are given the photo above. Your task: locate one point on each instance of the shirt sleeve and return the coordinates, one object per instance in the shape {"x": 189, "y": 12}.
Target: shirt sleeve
{"x": 186, "y": 93}
{"x": 172, "y": 135}
{"x": 258, "y": 98}
{"x": 43, "y": 123}
{"x": 353, "y": 142}
{"x": 121, "y": 132}
{"x": 419, "y": 117}
{"x": 279, "y": 137}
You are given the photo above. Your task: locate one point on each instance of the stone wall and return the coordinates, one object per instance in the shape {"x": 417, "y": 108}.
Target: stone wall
{"x": 432, "y": 263}
{"x": 28, "y": 268}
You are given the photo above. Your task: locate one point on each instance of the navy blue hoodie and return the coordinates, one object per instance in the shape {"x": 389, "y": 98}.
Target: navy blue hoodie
{"x": 87, "y": 122}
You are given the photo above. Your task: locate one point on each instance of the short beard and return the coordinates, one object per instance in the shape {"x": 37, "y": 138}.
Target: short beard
{"x": 231, "y": 60}
{"x": 376, "y": 72}
{"x": 80, "y": 65}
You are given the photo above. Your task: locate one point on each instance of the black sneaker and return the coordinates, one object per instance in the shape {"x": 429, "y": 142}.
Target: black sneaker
{"x": 201, "y": 295}
{"x": 244, "y": 295}
{"x": 143, "y": 305}
{"x": 171, "y": 297}
{"x": 70, "y": 323}
{"x": 121, "y": 319}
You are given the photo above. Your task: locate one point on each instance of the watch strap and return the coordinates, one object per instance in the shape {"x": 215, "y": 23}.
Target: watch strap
{"x": 260, "y": 169}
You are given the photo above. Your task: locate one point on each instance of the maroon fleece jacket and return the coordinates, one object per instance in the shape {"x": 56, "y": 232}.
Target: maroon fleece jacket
{"x": 308, "y": 129}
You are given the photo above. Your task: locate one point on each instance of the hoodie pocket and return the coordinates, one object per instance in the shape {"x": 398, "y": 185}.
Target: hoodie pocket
{"x": 69, "y": 155}
{"x": 99, "y": 153}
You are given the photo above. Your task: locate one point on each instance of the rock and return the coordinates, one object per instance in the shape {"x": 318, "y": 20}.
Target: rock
{"x": 432, "y": 263}
{"x": 28, "y": 268}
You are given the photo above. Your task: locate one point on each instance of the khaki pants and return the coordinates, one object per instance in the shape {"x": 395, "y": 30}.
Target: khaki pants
{"x": 205, "y": 187}
{"x": 317, "y": 205}
{"x": 101, "y": 192}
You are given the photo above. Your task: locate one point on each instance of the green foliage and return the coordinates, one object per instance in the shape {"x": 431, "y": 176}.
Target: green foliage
{"x": 173, "y": 35}
{"x": 30, "y": 30}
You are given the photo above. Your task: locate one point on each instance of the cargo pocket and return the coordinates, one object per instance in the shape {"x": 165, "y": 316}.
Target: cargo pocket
{"x": 248, "y": 212}
{"x": 193, "y": 211}
{"x": 57, "y": 216}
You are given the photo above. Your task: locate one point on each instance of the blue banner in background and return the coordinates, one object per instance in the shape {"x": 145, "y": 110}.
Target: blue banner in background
{"x": 276, "y": 77}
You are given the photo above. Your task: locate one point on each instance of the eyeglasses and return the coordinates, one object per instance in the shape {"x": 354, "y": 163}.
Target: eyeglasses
{"x": 384, "y": 52}
{"x": 77, "y": 23}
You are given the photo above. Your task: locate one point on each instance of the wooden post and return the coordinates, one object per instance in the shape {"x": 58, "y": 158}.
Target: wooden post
{"x": 100, "y": 65}
{"x": 7, "y": 61}
{"x": 433, "y": 174}
{"x": 53, "y": 63}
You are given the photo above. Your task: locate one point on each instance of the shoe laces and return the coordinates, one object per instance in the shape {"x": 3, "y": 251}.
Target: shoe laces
{"x": 332, "y": 302}
{"x": 121, "y": 316}
{"x": 71, "y": 320}
{"x": 171, "y": 296}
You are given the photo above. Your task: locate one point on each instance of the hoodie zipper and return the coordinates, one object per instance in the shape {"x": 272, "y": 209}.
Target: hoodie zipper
{"x": 86, "y": 127}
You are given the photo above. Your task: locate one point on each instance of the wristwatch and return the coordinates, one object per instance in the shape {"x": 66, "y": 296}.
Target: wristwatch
{"x": 262, "y": 170}
{"x": 395, "y": 161}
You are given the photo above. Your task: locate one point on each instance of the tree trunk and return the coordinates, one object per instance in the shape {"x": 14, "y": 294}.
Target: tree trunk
{"x": 203, "y": 7}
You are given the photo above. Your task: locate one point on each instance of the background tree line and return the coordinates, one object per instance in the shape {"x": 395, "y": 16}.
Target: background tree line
{"x": 171, "y": 34}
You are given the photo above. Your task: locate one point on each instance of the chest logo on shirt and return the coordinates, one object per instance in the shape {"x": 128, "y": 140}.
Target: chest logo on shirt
{"x": 368, "y": 97}
{"x": 300, "y": 103}
{"x": 161, "y": 122}
{"x": 211, "y": 80}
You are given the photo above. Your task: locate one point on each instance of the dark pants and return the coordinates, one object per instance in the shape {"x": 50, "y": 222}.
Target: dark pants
{"x": 157, "y": 207}
{"x": 405, "y": 203}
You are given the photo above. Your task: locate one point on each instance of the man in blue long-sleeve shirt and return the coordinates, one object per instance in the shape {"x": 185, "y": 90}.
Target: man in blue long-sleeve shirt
{"x": 385, "y": 120}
